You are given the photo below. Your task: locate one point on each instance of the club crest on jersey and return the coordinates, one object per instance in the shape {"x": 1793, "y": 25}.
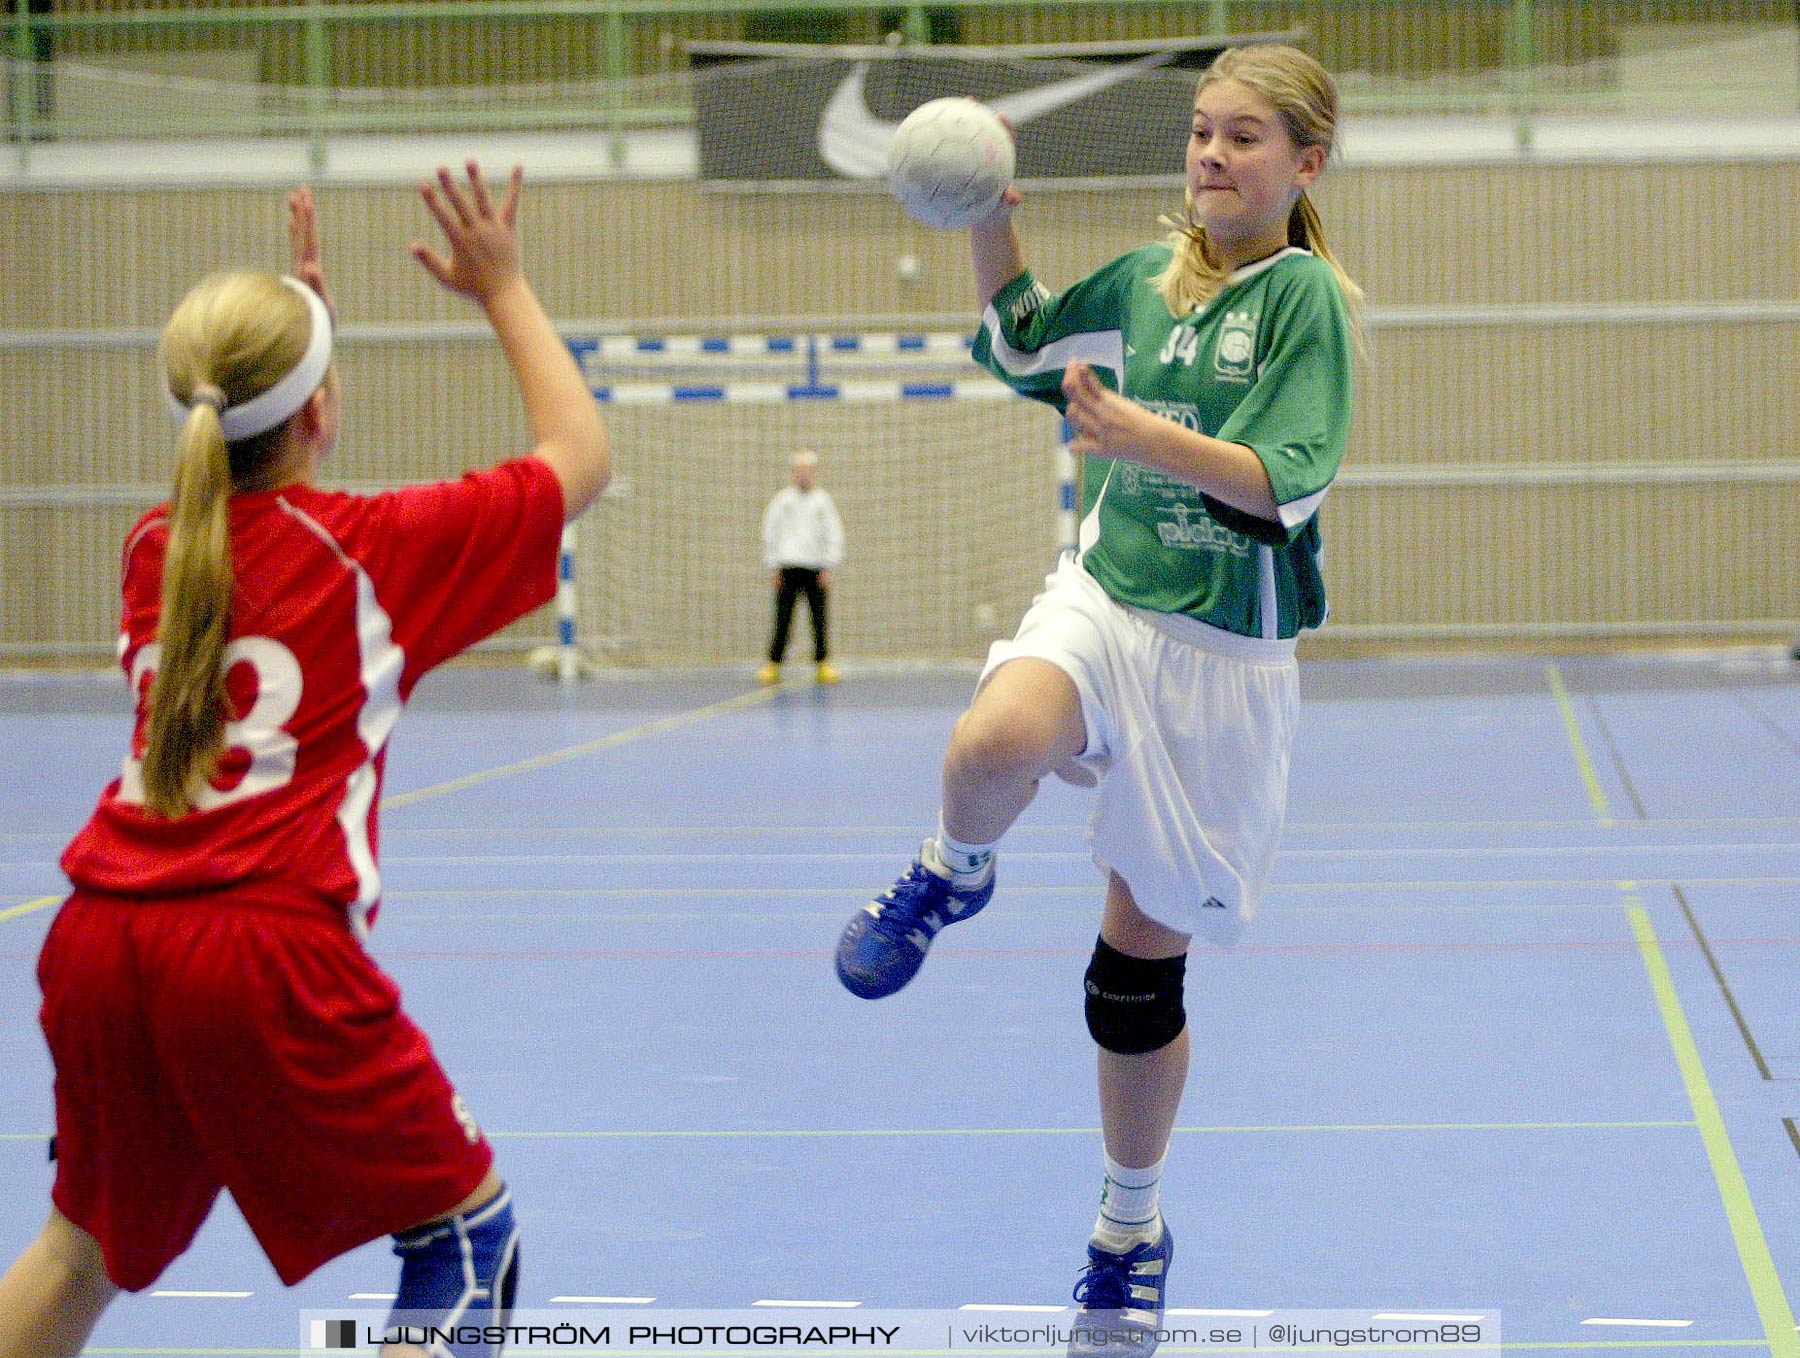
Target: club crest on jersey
{"x": 1235, "y": 358}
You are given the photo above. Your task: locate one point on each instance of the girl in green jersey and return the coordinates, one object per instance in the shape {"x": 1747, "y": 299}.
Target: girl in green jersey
{"x": 1206, "y": 380}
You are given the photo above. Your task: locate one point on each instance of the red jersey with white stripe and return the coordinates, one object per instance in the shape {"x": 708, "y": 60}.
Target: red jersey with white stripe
{"x": 341, "y": 603}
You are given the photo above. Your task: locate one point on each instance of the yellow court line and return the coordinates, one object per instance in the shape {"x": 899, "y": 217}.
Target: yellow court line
{"x": 617, "y": 738}
{"x": 1589, "y": 775}
{"x": 14, "y": 911}
{"x": 1746, "y": 1230}
{"x": 1740, "y": 1212}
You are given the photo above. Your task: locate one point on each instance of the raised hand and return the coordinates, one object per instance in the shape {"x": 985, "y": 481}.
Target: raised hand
{"x": 483, "y": 238}
{"x": 303, "y": 244}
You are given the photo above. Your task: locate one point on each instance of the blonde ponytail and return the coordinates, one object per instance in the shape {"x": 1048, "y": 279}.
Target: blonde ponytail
{"x": 233, "y": 337}
{"x": 1314, "y": 239}
{"x": 186, "y": 729}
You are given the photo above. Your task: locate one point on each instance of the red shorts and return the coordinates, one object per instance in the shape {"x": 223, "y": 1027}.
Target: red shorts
{"x": 211, "y": 1042}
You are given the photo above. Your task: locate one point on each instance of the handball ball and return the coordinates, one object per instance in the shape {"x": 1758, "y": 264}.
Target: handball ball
{"x": 949, "y": 162}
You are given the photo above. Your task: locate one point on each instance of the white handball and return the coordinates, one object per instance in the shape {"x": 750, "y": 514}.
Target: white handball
{"x": 949, "y": 162}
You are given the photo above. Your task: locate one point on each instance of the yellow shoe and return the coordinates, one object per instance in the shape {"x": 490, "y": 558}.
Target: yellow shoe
{"x": 826, "y": 674}
{"x": 769, "y": 674}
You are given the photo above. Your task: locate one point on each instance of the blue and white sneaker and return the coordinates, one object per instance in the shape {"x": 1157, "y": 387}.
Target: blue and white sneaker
{"x": 1121, "y": 1298}
{"x": 885, "y": 942}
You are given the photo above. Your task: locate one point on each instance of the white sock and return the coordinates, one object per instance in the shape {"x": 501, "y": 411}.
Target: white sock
{"x": 1128, "y": 1206}
{"x": 968, "y": 863}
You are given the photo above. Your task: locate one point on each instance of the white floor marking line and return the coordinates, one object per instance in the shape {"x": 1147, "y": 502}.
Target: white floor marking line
{"x": 606, "y": 1301}
{"x": 214, "y": 1296}
{"x": 999, "y": 1306}
{"x": 1416, "y": 1315}
{"x": 1212, "y": 1311}
{"x": 841, "y": 1305}
{"x": 374, "y": 1296}
{"x": 1628, "y": 1320}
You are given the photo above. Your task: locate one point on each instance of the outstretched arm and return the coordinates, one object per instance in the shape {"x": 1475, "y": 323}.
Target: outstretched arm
{"x": 303, "y": 244}
{"x": 483, "y": 265}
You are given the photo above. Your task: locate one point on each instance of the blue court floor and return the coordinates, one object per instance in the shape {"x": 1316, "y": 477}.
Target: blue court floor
{"x": 1518, "y": 1028}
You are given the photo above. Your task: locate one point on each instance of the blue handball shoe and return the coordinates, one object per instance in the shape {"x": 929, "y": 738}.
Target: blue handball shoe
{"x": 1121, "y": 1298}
{"x": 886, "y": 941}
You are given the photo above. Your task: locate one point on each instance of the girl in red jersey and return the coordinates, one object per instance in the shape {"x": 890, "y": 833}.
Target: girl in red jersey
{"x": 212, "y": 1016}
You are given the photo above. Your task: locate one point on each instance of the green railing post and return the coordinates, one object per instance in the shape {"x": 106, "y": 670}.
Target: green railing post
{"x": 1218, "y": 17}
{"x": 1522, "y": 66}
{"x": 916, "y": 27}
{"x": 318, "y": 83}
{"x": 21, "y": 84}
{"x": 615, "y": 83}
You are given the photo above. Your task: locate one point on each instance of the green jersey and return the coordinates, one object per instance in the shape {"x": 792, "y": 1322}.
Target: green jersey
{"x": 1266, "y": 363}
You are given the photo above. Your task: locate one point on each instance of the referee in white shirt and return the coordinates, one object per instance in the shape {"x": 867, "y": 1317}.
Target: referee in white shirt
{"x": 803, "y": 543}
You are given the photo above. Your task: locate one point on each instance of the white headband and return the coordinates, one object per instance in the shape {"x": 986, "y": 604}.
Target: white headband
{"x": 263, "y": 412}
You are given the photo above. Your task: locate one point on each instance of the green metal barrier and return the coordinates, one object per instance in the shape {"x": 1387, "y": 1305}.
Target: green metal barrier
{"x": 318, "y": 70}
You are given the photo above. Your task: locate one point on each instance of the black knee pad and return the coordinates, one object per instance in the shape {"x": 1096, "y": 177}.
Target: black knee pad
{"x": 1134, "y": 1003}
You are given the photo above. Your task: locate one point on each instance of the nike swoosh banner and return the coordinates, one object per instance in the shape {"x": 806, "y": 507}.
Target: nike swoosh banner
{"x": 777, "y": 112}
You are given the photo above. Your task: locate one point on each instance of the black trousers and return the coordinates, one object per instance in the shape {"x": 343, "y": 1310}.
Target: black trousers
{"x": 795, "y": 581}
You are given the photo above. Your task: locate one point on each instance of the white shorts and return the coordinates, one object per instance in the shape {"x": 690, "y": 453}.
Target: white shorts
{"x": 1189, "y": 730}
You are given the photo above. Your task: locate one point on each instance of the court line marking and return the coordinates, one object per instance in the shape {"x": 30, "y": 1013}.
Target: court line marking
{"x": 1383, "y": 853}
{"x": 1617, "y": 755}
{"x": 1423, "y": 1315}
{"x": 825, "y": 1133}
{"x": 658, "y": 727}
{"x": 1737, "y": 1014}
{"x": 1335, "y": 885}
{"x": 872, "y": 1133}
{"x": 883, "y": 854}
{"x": 1628, "y": 1320}
{"x": 1583, "y": 760}
{"x": 1056, "y": 831}
{"x": 661, "y": 726}
{"x": 1740, "y": 1212}
{"x": 606, "y": 1301}
{"x": 199, "y": 1296}
{"x": 1596, "y": 945}
{"x": 14, "y": 911}
{"x": 1781, "y": 732}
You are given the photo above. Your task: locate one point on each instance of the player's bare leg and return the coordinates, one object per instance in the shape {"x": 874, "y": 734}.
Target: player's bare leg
{"x": 54, "y": 1294}
{"x": 1024, "y": 723}
{"x": 1140, "y": 1094}
{"x": 1136, "y": 1015}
